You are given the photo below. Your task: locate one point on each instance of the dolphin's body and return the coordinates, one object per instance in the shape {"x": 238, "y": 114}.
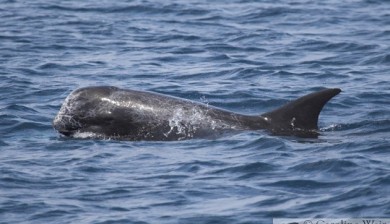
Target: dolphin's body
{"x": 114, "y": 113}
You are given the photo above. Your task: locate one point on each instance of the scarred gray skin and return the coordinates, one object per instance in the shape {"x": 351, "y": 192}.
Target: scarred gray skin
{"x": 111, "y": 112}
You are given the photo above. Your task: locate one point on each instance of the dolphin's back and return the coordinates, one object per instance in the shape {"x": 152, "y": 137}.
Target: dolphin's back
{"x": 110, "y": 112}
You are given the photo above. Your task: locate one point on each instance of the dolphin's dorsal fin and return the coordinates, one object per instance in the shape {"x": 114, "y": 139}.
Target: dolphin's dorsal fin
{"x": 301, "y": 114}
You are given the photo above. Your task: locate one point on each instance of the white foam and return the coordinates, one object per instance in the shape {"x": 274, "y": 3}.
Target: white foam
{"x": 84, "y": 135}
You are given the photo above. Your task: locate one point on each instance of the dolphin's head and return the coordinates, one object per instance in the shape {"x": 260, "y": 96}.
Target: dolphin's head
{"x": 83, "y": 110}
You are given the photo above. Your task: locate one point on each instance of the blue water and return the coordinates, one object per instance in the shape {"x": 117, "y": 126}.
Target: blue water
{"x": 246, "y": 56}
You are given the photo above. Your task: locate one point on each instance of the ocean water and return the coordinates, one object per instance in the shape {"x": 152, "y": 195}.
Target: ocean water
{"x": 245, "y": 56}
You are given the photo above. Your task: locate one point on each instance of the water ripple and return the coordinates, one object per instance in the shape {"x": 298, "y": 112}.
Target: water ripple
{"x": 246, "y": 56}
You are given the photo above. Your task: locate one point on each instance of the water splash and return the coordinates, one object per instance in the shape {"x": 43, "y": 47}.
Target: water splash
{"x": 186, "y": 122}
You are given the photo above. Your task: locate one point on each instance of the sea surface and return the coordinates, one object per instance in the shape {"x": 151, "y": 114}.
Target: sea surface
{"x": 241, "y": 55}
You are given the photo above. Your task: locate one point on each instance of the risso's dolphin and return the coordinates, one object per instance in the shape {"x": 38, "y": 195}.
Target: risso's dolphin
{"x": 113, "y": 113}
